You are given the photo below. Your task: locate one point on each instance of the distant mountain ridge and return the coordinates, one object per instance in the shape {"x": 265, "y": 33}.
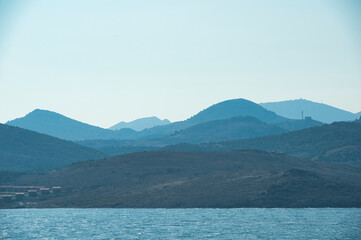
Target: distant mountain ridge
{"x": 339, "y": 142}
{"x": 294, "y": 109}
{"x": 211, "y": 131}
{"x": 141, "y": 123}
{"x": 22, "y": 150}
{"x": 57, "y": 125}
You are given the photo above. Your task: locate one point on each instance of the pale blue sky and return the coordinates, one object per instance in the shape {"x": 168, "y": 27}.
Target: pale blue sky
{"x": 106, "y": 61}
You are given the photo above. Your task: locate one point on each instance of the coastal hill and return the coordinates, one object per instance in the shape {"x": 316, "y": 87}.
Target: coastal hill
{"x": 22, "y": 150}
{"x": 141, "y": 124}
{"x": 200, "y": 179}
{"x": 338, "y": 142}
{"x": 321, "y": 112}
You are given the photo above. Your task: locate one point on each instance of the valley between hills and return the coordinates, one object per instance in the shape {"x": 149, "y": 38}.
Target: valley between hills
{"x": 235, "y": 153}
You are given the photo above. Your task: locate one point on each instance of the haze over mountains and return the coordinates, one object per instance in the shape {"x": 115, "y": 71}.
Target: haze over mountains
{"x": 232, "y": 119}
{"x": 57, "y": 125}
{"x": 294, "y": 109}
{"x": 215, "y": 160}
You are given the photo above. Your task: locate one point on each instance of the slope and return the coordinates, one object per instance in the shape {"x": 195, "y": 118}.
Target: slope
{"x": 22, "y": 150}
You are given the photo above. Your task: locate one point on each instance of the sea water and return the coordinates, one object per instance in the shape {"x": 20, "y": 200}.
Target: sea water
{"x": 180, "y": 223}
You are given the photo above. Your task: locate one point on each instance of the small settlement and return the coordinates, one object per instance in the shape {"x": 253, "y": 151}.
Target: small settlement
{"x": 16, "y": 193}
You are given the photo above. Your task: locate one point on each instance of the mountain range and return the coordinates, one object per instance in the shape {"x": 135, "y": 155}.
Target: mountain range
{"x": 297, "y": 109}
{"x": 22, "y": 150}
{"x": 232, "y": 154}
{"x": 232, "y": 119}
{"x": 141, "y": 123}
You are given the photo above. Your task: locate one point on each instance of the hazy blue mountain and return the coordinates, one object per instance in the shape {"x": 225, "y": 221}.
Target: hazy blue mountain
{"x": 21, "y": 150}
{"x": 57, "y": 125}
{"x": 338, "y": 142}
{"x": 141, "y": 123}
{"x": 321, "y": 112}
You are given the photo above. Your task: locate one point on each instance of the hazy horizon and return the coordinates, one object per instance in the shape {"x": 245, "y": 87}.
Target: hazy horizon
{"x": 111, "y": 61}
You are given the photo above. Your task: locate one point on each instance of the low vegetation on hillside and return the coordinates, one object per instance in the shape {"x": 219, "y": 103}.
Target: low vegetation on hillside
{"x": 201, "y": 179}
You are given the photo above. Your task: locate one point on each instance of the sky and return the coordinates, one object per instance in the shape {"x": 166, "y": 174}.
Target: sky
{"x": 102, "y": 62}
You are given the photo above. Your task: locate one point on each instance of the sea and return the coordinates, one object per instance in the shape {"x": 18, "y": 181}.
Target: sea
{"x": 242, "y": 223}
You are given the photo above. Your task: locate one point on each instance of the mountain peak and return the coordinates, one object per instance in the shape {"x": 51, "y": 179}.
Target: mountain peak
{"x": 235, "y": 108}
{"x": 43, "y": 112}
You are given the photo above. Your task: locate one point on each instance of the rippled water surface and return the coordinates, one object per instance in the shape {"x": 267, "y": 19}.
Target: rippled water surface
{"x": 180, "y": 224}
